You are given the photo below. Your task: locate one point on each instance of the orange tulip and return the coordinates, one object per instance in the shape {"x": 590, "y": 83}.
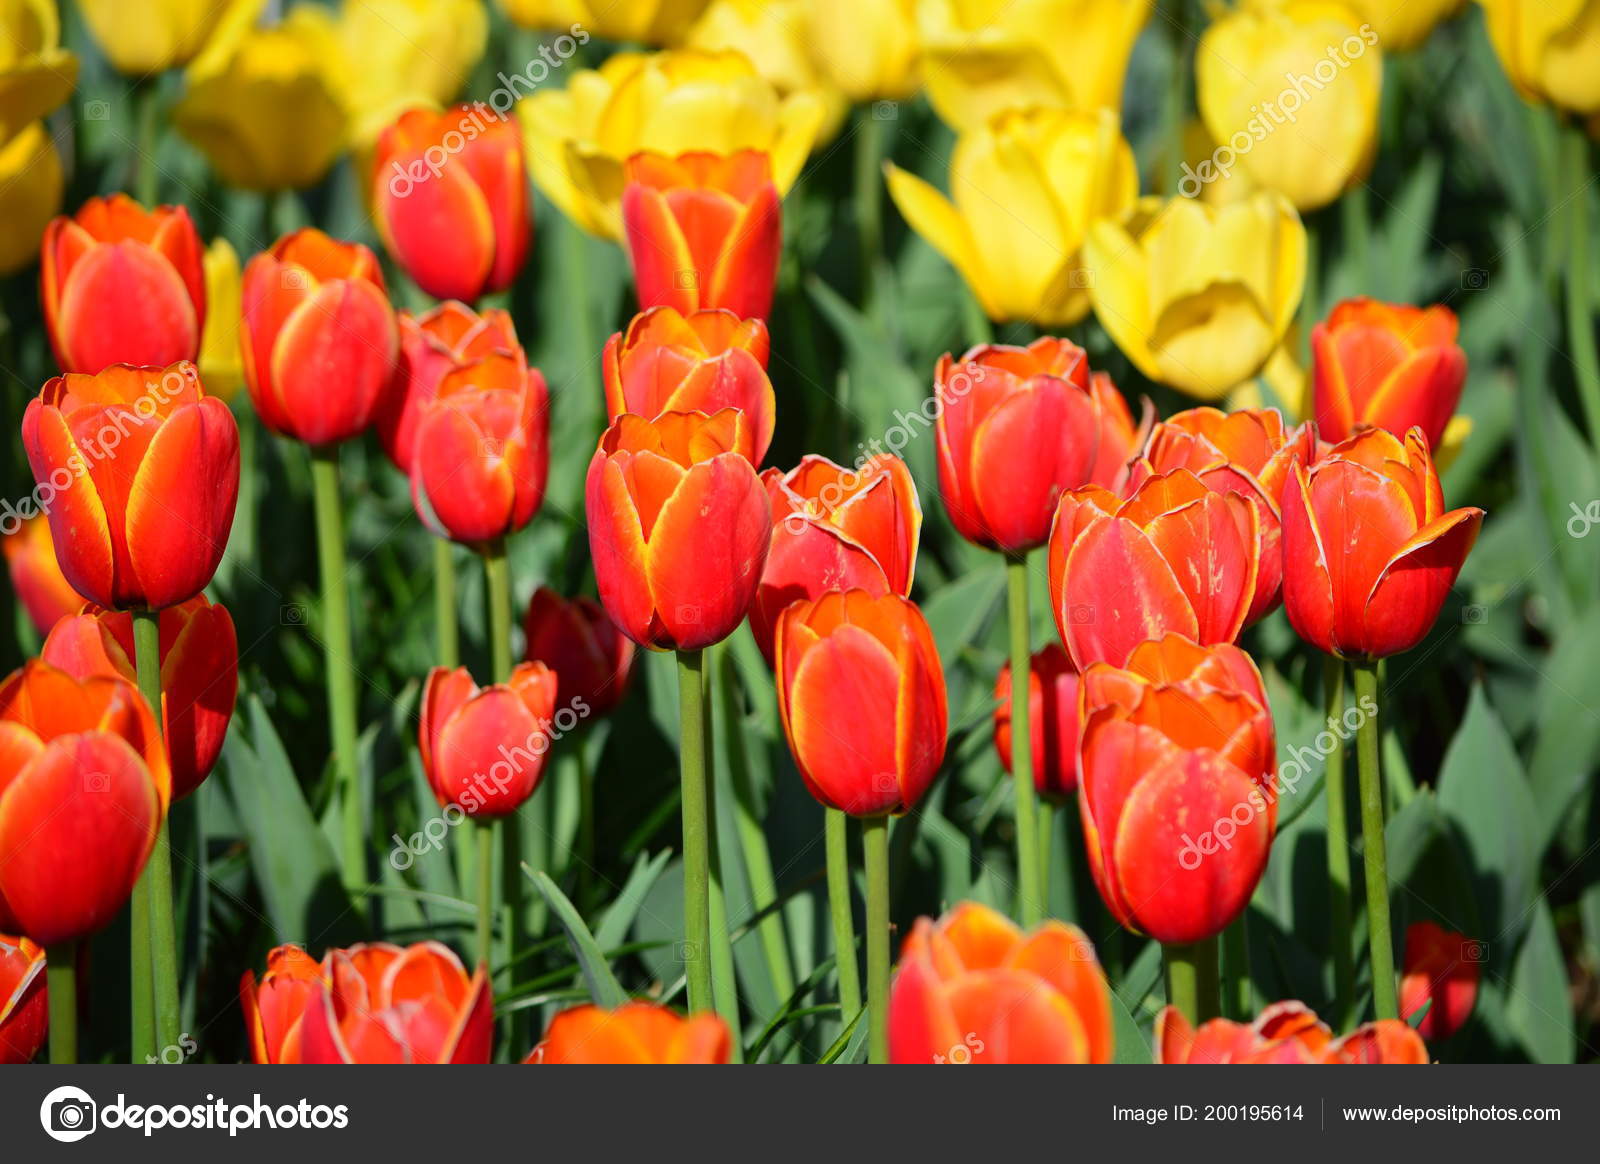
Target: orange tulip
{"x": 371, "y": 1003}
{"x": 1176, "y": 556}
{"x": 862, "y": 696}
{"x": 483, "y": 449}
{"x": 24, "y": 1000}
{"x": 836, "y": 529}
{"x": 1120, "y": 437}
{"x": 484, "y": 749}
{"x": 1390, "y": 366}
{"x": 578, "y": 641}
{"x": 123, "y": 285}
{"x": 139, "y": 472}
{"x": 199, "y": 675}
{"x": 1285, "y": 1032}
{"x": 84, "y": 784}
{"x": 451, "y": 199}
{"x": 431, "y": 344}
{"x": 678, "y": 526}
{"x": 1177, "y": 786}
{"x": 319, "y": 338}
{"x": 1369, "y": 552}
{"x": 699, "y": 362}
{"x": 1052, "y": 720}
{"x": 36, "y": 576}
{"x": 704, "y": 230}
{"x": 637, "y": 1033}
{"x": 1441, "y": 968}
{"x": 972, "y": 988}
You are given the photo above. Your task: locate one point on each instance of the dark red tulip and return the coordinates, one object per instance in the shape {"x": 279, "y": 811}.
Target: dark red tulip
{"x": 577, "y": 640}
{"x": 1440, "y": 971}
{"x": 1052, "y": 720}
{"x": 24, "y": 1000}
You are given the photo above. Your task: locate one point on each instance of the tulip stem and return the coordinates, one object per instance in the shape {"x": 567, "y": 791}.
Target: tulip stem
{"x": 61, "y": 983}
{"x": 1339, "y": 913}
{"x": 1379, "y": 936}
{"x": 1193, "y": 984}
{"x": 147, "y": 178}
{"x": 844, "y": 925}
{"x": 446, "y": 630}
{"x": 1580, "y": 311}
{"x": 869, "y": 200}
{"x": 1047, "y": 827}
{"x": 1030, "y": 874}
{"x": 161, "y": 942}
{"x": 485, "y": 833}
{"x": 340, "y": 664}
{"x": 875, "y": 847}
{"x": 1354, "y": 217}
{"x": 497, "y": 580}
{"x": 724, "y": 985}
{"x": 696, "y": 949}
{"x": 141, "y": 977}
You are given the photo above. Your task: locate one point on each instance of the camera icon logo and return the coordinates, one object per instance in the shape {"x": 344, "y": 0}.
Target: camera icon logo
{"x": 68, "y": 1114}
{"x": 1474, "y": 279}
{"x": 97, "y": 110}
{"x": 686, "y": 279}
{"x": 1474, "y": 951}
{"x": 292, "y": 614}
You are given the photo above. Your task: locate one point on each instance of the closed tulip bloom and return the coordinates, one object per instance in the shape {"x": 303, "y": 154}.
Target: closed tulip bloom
{"x": 1404, "y": 24}
{"x": 484, "y": 749}
{"x": 399, "y": 54}
{"x": 31, "y": 182}
{"x": 84, "y": 784}
{"x": 777, "y": 38}
{"x": 1052, "y": 720}
{"x": 451, "y": 200}
{"x": 699, "y": 361}
{"x": 862, "y": 696}
{"x": 1369, "y": 552}
{"x": 122, "y": 285}
{"x": 1198, "y": 296}
{"x": 1023, "y": 190}
{"x": 1440, "y": 971}
{"x": 24, "y": 1000}
{"x": 1177, "y": 786}
{"x": 973, "y": 988}
{"x": 371, "y": 1003}
{"x": 36, "y": 73}
{"x": 221, "y": 365}
{"x": 1017, "y": 428}
{"x": 637, "y": 1033}
{"x": 1548, "y": 50}
{"x": 482, "y": 453}
{"x": 144, "y": 471}
{"x": 678, "y": 526}
{"x": 704, "y": 230}
{"x": 867, "y": 48}
{"x": 199, "y": 675}
{"x": 578, "y": 641}
{"x": 319, "y": 338}
{"x": 642, "y": 21}
{"x": 139, "y": 39}
{"x": 836, "y": 529}
{"x": 1386, "y": 365}
{"x": 1284, "y": 1033}
{"x": 36, "y": 576}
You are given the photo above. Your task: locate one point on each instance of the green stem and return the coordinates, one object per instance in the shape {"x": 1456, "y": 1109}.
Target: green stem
{"x": 1031, "y": 890}
{"x": 1176, "y": 113}
{"x": 844, "y": 926}
{"x": 586, "y": 821}
{"x": 147, "y": 177}
{"x": 1580, "y": 311}
{"x": 1353, "y": 214}
{"x": 1047, "y": 828}
{"x": 447, "y": 632}
{"x": 497, "y": 581}
{"x": 724, "y": 986}
{"x": 160, "y": 948}
{"x": 1192, "y": 979}
{"x": 975, "y": 320}
{"x": 61, "y": 983}
{"x": 1339, "y": 912}
{"x": 575, "y": 269}
{"x": 485, "y": 868}
{"x": 1379, "y": 935}
{"x": 869, "y": 200}
{"x": 696, "y": 843}
{"x": 141, "y": 976}
{"x": 875, "y": 846}
{"x": 1309, "y": 306}
{"x": 1236, "y": 959}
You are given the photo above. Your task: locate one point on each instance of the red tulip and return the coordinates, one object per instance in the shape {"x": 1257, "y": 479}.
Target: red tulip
{"x": 579, "y": 642}
{"x": 862, "y": 696}
{"x": 1369, "y": 552}
{"x": 1120, "y": 437}
{"x": 1441, "y": 968}
{"x": 199, "y": 675}
{"x": 1016, "y": 428}
{"x": 451, "y": 199}
{"x": 1052, "y": 720}
{"x": 701, "y": 362}
{"x": 1175, "y": 556}
{"x": 1177, "y": 786}
{"x": 319, "y": 338}
{"x": 36, "y": 576}
{"x": 836, "y": 529}
{"x": 704, "y": 230}
{"x": 24, "y": 1000}
{"x": 139, "y": 472}
{"x": 483, "y": 449}
{"x": 1390, "y": 366}
{"x": 122, "y": 285}
{"x": 84, "y": 784}
{"x": 372, "y": 1003}
{"x": 678, "y": 526}
{"x": 637, "y": 1033}
{"x": 1286, "y": 1033}
{"x": 484, "y": 750}
{"x": 431, "y": 344}
{"x": 972, "y": 988}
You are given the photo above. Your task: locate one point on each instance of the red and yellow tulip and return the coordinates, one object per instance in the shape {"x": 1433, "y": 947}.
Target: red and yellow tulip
{"x": 637, "y": 1033}
{"x": 24, "y": 1000}
{"x": 1284, "y": 1033}
{"x": 36, "y": 576}
{"x": 484, "y": 749}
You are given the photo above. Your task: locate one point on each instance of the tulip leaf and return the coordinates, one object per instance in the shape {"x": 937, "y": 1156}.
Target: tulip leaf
{"x": 597, "y": 976}
{"x": 1567, "y": 745}
{"x": 1539, "y": 1006}
{"x": 613, "y": 927}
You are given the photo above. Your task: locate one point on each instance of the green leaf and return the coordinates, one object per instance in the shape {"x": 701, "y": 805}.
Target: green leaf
{"x": 1567, "y": 745}
{"x": 614, "y": 925}
{"x": 597, "y": 976}
{"x": 1539, "y": 1006}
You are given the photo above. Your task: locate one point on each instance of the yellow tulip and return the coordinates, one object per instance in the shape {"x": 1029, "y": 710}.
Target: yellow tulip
{"x": 982, "y": 56}
{"x": 1026, "y": 187}
{"x": 868, "y": 48}
{"x": 635, "y": 21}
{"x": 773, "y": 35}
{"x": 1290, "y": 94}
{"x": 30, "y": 195}
{"x": 1404, "y": 24}
{"x": 671, "y": 102}
{"x": 221, "y": 365}
{"x": 1550, "y": 49}
{"x": 151, "y": 36}
{"x": 396, "y": 54}
{"x": 36, "y": 73}
{"x": 1198, "y": 296}
{"x": 263, "y": 104}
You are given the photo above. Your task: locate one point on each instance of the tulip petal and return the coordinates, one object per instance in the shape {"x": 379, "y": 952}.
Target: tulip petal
{"x": 845, "y": 689}
{"x": 1117, "y": 591}
{"x": 125, "y": 303}
{"x": 1407, "y": 596}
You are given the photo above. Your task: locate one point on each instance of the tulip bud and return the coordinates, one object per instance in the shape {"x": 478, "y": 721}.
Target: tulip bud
{"x": 36, "y": 576}
{"x": 24, "y": 1000}
{"x": 578, "y": 641}
{"x": 1284, "y": 1033}
{"x": 1052, "y": 721}
{"x": 1440, "y": 971}
{"x": 153, "y": 36}
{"x": 484, "y": 750}
{"x": 868, "y": 48}
{"x": 636, "y": 1032}
{"x": 1547, "y": 50}
{"x": 274, "y": 1006}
